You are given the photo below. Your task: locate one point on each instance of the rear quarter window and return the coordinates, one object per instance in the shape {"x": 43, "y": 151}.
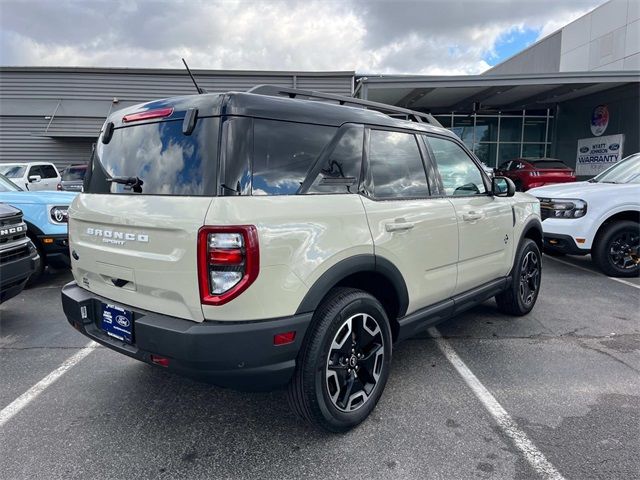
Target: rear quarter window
{"x": 283, "y": 154}
{"x": 396, "y": 166}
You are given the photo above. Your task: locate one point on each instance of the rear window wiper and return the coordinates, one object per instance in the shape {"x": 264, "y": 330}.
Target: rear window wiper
{"x": 133, "y": 183}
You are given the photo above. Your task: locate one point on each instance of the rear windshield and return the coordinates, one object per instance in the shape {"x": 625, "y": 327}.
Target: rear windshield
{"x": 166, "y": 161}
{"x": 548, "y": 164}
{"x": 73, "y": 173}
{"x": 16, "y": 171}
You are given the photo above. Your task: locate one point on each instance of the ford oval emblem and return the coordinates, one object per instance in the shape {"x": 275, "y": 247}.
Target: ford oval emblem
{"x": 614, "y": 146}
{"x": 122, "y": 321}
{"x": 584, "y": 149}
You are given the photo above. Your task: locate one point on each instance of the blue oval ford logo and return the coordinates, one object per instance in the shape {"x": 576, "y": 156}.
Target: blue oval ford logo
{"x": 614, "y": 146}
{"x": 122, "y": 321}
{"x": 584, "y": 149}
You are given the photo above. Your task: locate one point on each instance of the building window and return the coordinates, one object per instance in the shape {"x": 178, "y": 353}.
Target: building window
{"x": 500, "y": 137}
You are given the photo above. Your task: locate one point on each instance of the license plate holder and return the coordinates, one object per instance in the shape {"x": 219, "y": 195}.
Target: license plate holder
{"x": 117, "y": 322}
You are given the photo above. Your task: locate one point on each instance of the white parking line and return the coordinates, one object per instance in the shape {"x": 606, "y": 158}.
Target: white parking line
{"x": 23, "y": 400}
{"x": 619, "y": 280}
{"x": 534, "y": 456}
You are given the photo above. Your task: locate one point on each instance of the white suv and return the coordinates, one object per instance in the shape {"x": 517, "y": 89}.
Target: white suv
{"x": 600, "y": 216}
{"x": 32, "y": 175}
{"x": 285, "y": 237}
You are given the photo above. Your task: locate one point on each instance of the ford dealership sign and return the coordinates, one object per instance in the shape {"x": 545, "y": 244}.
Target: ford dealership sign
{"x": 598, "y": 154}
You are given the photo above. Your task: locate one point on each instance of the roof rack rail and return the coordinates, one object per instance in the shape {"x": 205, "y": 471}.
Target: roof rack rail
{"x": 391, "y": 110}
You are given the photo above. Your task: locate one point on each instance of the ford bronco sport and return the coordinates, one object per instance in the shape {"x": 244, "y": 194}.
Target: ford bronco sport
{"x": 281, "y": 237}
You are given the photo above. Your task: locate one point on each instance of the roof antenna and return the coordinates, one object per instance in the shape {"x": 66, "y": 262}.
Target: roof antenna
{"x": 200, "y": 89}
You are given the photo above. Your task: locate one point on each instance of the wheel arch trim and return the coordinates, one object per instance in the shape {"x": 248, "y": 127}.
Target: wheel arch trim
{"x": 356, "y": 264}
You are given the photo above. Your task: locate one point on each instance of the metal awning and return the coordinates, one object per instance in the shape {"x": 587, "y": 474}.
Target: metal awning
{"x": 491, "y": 92}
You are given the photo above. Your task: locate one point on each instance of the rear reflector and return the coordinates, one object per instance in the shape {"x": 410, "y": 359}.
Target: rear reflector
{"x": 284, "y": 338}
{"x": 220, "y": 256}
{"x": 162, "y": 361}
{"x": 147, "y": 115}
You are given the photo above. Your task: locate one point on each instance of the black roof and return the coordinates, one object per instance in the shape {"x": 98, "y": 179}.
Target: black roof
{"x": 261, "y": 105}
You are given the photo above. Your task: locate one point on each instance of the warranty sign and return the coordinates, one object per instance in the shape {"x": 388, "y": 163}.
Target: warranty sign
{"x": 597, "y": 154}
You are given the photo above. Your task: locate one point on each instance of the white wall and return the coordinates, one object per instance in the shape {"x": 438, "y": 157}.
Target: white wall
{"x": 608, "y": 38}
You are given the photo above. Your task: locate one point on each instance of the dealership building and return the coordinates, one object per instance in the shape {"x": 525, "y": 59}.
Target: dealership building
{"x": 577, "y": 90}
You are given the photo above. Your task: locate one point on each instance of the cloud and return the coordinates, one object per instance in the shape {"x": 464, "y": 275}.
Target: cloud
{"x": 428, "y": 37}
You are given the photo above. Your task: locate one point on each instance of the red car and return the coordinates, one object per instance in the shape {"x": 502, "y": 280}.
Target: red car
{"x": 529, "y": 173}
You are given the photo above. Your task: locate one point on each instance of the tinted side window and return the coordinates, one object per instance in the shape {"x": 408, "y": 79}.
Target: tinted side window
{"x": 49, "y": 171}
{"x": 460, "y": 175}
{"x": 340, "y": 172}
{"x": 283, "y": 153}
{"x": 36, "y": 170}
{"x": 396, "y": 165}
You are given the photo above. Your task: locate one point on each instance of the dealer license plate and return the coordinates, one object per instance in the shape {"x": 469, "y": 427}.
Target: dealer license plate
{"x": 117, "y": 322}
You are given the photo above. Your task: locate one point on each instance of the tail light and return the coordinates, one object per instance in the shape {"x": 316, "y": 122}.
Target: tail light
{"x": 228, "y": 262}
{"x": 534, "y": 173}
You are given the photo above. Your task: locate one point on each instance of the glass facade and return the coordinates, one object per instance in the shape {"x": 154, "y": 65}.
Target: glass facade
{"x": 503, "y": 136}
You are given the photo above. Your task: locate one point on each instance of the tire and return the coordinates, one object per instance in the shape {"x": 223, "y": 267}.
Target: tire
{"x": 520, "y": 298}
{"x": 518, "y": 185}
{"x": 616, "y": 249}
{"x": 327, "y": 363}
{"x": 37, "y": 275}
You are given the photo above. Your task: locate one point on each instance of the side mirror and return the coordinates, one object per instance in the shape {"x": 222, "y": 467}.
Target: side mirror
{"x": 34, "y": 178}
{"x": 503, "y": 187}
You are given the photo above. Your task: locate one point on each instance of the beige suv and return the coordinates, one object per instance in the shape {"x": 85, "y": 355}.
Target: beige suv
{"x": 282, "y": 237}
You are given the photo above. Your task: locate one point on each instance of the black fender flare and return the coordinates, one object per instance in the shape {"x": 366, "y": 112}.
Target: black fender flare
{"x": 532, "y": 224}
{"x": 33, "y": 230}
{"x": 356, "y": 264}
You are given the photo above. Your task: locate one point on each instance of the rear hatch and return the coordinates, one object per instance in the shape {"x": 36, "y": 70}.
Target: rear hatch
{"x": 135, "y": 241}
{"x": 553, "y": 169}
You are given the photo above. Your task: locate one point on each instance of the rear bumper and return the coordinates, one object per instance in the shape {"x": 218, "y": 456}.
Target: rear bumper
{"x": 56, "y": 252}
{"x": 238, "y": 355}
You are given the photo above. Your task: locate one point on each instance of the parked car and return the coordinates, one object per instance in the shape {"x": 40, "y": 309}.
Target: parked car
{"x": 72, "y": 178}
{"x": 18, "y": 256}
{"x": 32, "y": 175}
{"x": 529, "y": 173}
{"x": 600, "y": 216}
{"x": 292, "y": 247}
{"x": 46, "y": 217}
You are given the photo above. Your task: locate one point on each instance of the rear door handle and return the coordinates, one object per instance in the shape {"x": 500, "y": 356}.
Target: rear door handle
{"x": 472, "y": 216}
{"x": 399, "y": 226}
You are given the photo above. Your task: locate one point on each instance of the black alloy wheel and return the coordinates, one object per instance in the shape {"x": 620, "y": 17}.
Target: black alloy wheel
{"x": 623, "y": 250}
{"x": 616, "y": 249}
{"x": 521, "y": 294}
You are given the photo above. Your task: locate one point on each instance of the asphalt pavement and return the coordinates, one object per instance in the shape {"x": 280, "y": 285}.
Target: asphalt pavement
{"x": 568, "y": 374}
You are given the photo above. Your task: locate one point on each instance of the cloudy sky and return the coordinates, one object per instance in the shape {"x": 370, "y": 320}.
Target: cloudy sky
{"x": 427, "y": 37}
